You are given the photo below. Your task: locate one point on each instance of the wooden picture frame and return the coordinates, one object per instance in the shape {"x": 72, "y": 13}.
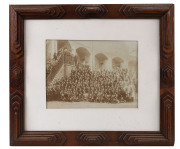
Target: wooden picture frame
{"x": 20, "y": 137}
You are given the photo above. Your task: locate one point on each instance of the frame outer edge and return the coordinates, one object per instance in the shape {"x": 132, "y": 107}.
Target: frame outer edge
{"x": 17, "y": 134}
{"x": 167, "y": 105}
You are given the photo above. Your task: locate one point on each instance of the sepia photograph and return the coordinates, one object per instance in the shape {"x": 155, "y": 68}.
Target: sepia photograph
{"x": 91, "y": 74}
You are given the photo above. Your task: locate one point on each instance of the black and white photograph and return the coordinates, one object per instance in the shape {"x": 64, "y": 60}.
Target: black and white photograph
{"x": 91, "y": 74}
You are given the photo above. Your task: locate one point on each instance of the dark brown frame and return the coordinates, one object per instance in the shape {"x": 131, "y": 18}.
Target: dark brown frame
{"x": 163, "y": 12}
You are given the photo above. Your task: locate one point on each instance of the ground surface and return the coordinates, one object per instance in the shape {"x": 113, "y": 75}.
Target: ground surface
{"x": 60, "y": 104}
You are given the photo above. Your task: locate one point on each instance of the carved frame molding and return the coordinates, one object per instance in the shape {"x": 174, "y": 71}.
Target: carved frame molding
{"x": 163, "y": 12}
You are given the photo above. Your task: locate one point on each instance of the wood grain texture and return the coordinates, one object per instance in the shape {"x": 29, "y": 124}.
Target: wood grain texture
{"x": 91, "y": 11}
{"x": 93, "y": 138}
{"x": 163, "y": 12}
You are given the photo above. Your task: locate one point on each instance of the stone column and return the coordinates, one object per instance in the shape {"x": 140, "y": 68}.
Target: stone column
{"x": 125, "y": 64}
{"x": 109, "y": 63}
{"x": 91, "y": 60}
{"x": 53, "y": 48}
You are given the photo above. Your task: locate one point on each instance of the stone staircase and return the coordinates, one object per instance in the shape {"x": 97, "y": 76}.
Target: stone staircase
{"x": 55, "y": 70}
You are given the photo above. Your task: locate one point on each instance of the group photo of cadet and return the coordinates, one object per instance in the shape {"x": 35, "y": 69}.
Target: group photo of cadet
{"x": 73, "y": 79}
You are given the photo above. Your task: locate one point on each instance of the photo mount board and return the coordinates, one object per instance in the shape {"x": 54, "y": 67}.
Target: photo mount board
{"x": 122, "y": 119}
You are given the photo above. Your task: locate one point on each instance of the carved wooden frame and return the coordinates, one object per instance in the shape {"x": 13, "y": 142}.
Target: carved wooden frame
{"x": 163, "y": 12}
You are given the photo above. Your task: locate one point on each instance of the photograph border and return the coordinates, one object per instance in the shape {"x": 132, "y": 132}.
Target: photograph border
{"x": 114, "y": 49}
{"x": 20, "y": 137}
